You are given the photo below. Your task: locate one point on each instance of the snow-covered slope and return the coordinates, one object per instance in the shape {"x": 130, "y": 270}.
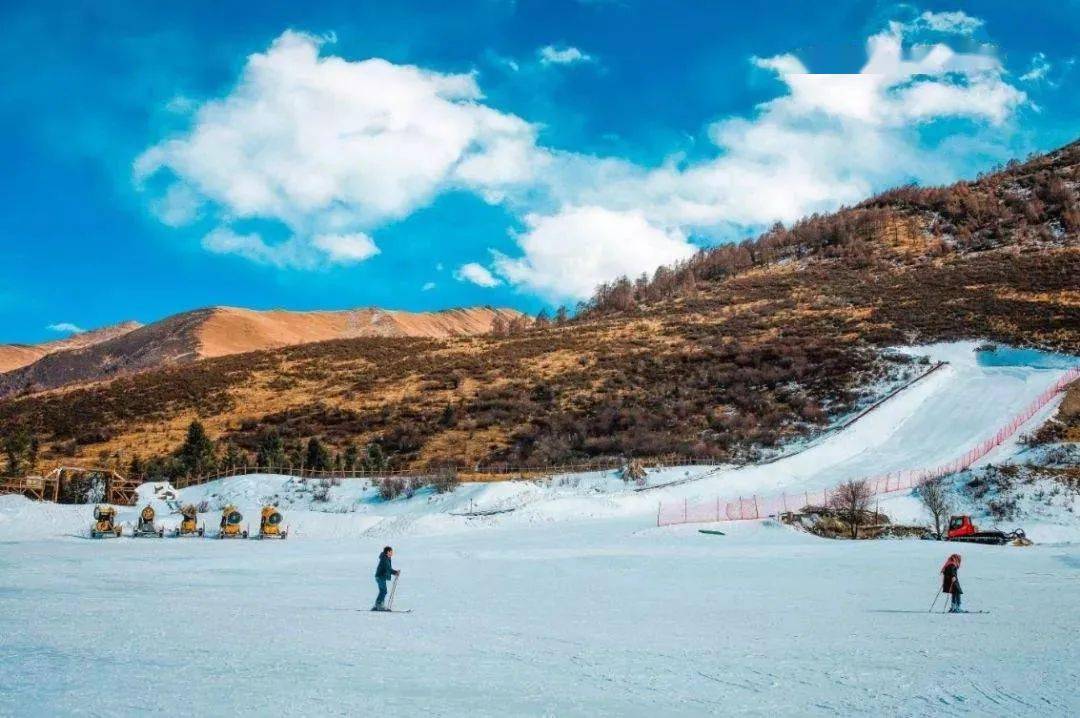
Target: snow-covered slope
{"x": 927, "y": 424}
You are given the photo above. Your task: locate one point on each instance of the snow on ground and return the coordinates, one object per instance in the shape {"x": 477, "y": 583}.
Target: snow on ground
{"x": 579, "y": 618}
{"x": 1018, "y": 491}
{"x": 572, "y": 604}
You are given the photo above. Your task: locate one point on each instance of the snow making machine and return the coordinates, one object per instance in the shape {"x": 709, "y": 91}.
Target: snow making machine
{"x": 189, "y": 523}
{"x": 270, "y": 524}
{"x": 231, "y": 520}
{"x": 145, "y": 528}
{"x": 962, "y": 529}
{"x": 105, "y": 525}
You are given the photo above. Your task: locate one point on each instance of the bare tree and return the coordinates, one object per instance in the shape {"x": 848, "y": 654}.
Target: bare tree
{"x": 936, "y": 500}
{"x": 633, "y": 470}
{"x": 499, "y": 326}
{"x": 852, "y": 500}
{"x": 518, "y": 325}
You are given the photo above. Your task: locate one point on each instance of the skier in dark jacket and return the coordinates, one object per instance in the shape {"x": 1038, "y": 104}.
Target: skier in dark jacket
{"x": 384, "y": 573}
{"x": 950, "y": 581}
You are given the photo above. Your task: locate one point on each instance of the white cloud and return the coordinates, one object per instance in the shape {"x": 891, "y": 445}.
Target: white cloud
{"x": 179, "y": 205}
{"x": 334, "y": 149}
{"x": 346, "y": 248}
{"x": 501, "y": 61}
{"x": 956, "y": 23}
{"x": 830, "y": 139}
{"x": 477, "y": 274}
{"x": 551, "y": 55}
{"x": 320, "y": 251}
{"x": 65, "y": 328}
{"x": 428, "y": 286}
{"x": 252, "y": 246}
{"x": 328, "y": 146}
{"x": 1038, "y": 69}
{"x": 566, "y": 255}
{"x": 181, "y": 105}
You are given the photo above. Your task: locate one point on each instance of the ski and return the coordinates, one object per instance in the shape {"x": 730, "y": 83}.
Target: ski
{"x": 390, "y": 610}
{"x": 711, "y": 532}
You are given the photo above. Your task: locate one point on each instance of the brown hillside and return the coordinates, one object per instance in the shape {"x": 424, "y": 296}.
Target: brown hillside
{"x": 220, "y": 331}
{"x": 228, "y": 330}
{"x": 13, "y": 356}
{"x": 739, "y": 349}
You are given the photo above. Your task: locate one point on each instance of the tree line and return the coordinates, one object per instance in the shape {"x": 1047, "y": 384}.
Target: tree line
{"x": 199, "y": 455}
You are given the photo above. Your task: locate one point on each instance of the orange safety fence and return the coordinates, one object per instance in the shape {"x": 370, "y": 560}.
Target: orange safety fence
{"x": 757, "y": 507}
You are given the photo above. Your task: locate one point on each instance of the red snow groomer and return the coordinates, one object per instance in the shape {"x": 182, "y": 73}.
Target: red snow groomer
{"x": 961, "y": 529}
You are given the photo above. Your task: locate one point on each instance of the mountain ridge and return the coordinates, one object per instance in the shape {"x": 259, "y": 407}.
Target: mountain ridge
{"x": 14, "y": 356}
{"x": 217, "y": 331}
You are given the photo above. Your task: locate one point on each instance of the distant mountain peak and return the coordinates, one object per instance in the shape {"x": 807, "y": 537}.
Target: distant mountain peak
{"x": 14, "y": 356}
{"x": 214, "y": 332}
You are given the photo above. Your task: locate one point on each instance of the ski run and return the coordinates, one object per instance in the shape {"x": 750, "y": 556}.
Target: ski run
{"x": 562, "y": 597}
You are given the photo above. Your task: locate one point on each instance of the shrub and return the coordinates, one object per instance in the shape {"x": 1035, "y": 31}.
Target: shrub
{"x": 446, "y": 481}
{"x": 390, "y": 488}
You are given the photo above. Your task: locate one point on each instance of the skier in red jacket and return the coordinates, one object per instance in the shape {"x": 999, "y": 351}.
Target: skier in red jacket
{"x": 950, "y": 582}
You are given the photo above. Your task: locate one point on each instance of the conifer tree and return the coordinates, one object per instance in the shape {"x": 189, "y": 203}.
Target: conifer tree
{"x": 196, "y": 455}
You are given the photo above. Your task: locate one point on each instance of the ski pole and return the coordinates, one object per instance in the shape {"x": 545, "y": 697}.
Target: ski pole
{"x": 393, "y": 590}
{"x": 937, "y": 594}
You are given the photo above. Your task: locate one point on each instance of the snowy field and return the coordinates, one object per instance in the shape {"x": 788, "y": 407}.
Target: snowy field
{"x": 596, "y": 618}
{"x": 572, "y": 603}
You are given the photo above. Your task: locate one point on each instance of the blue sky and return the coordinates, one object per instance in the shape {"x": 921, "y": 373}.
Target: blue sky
{"x": 162, "y": 157}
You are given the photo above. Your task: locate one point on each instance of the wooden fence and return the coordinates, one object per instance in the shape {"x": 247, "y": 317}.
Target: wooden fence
{"x": 477, "y": 473}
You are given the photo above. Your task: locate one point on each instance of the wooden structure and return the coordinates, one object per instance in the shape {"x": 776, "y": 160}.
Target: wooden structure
{"x": 118, "y": 489}
{"x": 32, "y": 487}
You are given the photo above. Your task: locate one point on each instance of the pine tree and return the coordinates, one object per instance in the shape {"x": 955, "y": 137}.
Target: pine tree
{"x": 136, "y": 469}
{"x": 318, "y": 456}
{"x": 233, "y": 456}
{"x": 271, "y": 452}
{"x": 376, "y": 459}
{"x": 32, "y": 453}
{"x": 196, "y": 455}
{"x": 158, "y": 468}
{"x": 17, "y": 449}
{"x": 352, "y": 457}
{"x": 295, "y": 455}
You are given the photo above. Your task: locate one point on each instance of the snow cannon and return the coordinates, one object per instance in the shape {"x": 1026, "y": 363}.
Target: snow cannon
{"x": 270, "y": 524}
{"x": 962, "y": 529}
{"x": 189, "y": 522}
{"x": 145, "y": 528}
{"x": 230, "y": 523}
{"x": 105, "y": 525}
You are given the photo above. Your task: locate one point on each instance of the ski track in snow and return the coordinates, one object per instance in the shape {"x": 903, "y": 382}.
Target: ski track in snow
{"x": 572, "y": 605}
